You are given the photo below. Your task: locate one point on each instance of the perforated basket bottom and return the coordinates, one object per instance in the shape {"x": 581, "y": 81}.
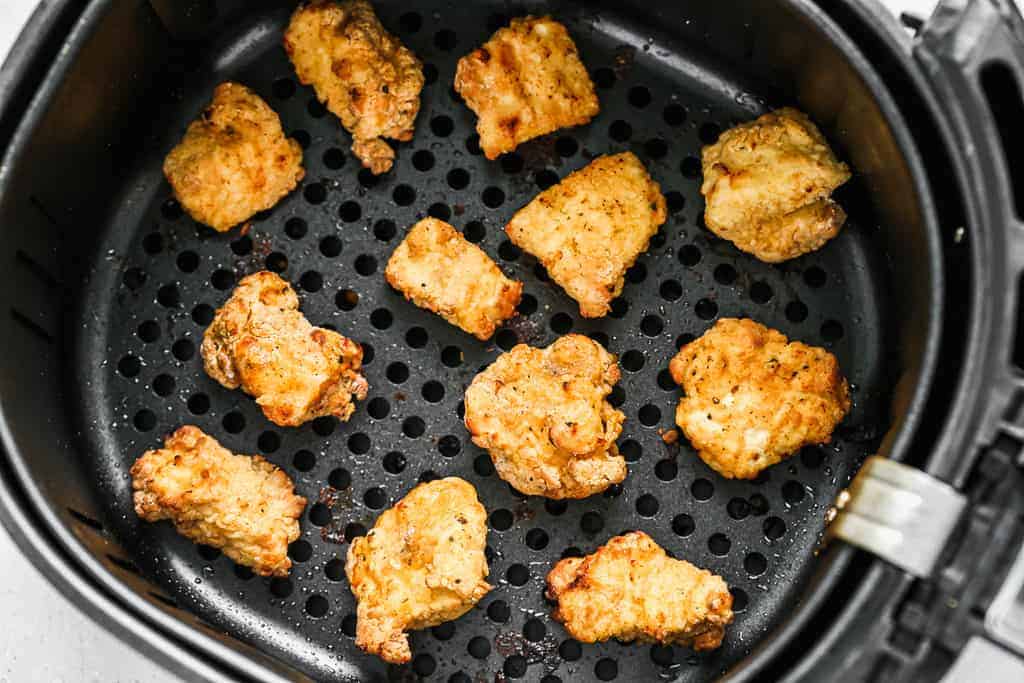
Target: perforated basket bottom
{"x": 332, "y": 237}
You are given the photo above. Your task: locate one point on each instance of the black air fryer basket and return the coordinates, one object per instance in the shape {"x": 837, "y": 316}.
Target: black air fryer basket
{"x": 107, "y": 287}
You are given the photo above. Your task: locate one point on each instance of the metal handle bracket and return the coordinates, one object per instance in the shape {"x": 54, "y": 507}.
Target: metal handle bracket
{"x": 899, "y": 513}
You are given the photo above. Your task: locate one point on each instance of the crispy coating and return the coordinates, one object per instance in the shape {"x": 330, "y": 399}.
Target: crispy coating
{"x": 241, "y": 504}
{"x": 590, "y": 228}
{"x": 421, "y": 565}
{"x": 753, "y": 398}
{"x": 234, "y": 160}
{"x": 259, "y": 341}
{"x": 526, "y": 81}
{"x": 362, "y": 73}
{"x": 543, "y": 416}
{"x": 436, "y": 268}
{"x": 767, "y": 185}
{"x": 630, "y": 589}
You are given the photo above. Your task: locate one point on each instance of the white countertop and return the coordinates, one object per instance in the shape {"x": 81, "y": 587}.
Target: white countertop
{"x": 47, "y": 638}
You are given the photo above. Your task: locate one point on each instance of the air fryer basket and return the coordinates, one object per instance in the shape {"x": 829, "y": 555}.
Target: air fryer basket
{"x": 112, "y": 286}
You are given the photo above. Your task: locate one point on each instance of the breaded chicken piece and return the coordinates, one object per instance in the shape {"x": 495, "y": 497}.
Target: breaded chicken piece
{"x": 234, "y": 161}
{"x": 753, "y": 398}
{"x": 241, "y": 504}
{"x": 630, "y": 589}
{"x": 526, "y": 81}
{"x": 259, "y": 341}
{"x": 767, "y": 185}
{"x": 362, "y": 73}
{"x": 421, "y": 565}
{"x": 436, "y": 268}
{"x": 590, "y": 228}
{"x": 542, "y": 415}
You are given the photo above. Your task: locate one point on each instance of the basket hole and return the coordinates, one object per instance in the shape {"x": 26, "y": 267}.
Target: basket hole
{"x": 359, "y": 443}
{"x": 233, "y": 422}
{"x": 831, "y": 331}
{"x": 311, "y": 281}
{"x": 739, "y": 600}
{"x": 378, "y": 408}
{"x": 381, "y": 319}
{"x": 665, "y": 380}
{"x": 300, "y": 550}
{"x": 187, "y": 261}
{"x": 346, "y": 299}
{"x": 493, "y": 197}
{"x": 566, "y": 146}
{"x": 501, "y": 520}
{"x": 348, "y": 625}
{"x": 666, "y": 469}
{"x": 755, "y": 564}
{"x": 534, "y": 630}
{"x": 511, "y": 163}
{"x": 449, "y": 445}
{"x": 545, "y": 178}
{"x": 397, "y": 372}
{"x": 333, "y": 158}
{"x": 413, "y": 427}
{"x": 812, "y": 457}
{"x": 384, "y": 230}
{"x": 761, "y": 292}
{"x": 439, "y": 210}
{"x": 505, "y": 339}
{"x": 430, "y": 74}
{"x": 404, "y": 195}
{"x": 591, "y": 522}
{"x": 796, "y": 311}
{"x": 366, "y": 265}
{"x": 632, "y": 360}
{"x": 314, "y": 193}
{"x": 517, "y": 574}
{"x": 683, "y": 525}
{"x": 702, "y": 489}
{"x": 443, "y": 631}
{"x": 706, "y": 309}
{"x": 339, "y": 478}
{"x": 375, "y": 498}
{"x": 441, "y": 126}
{"x": 570, "y": 650}
{"x": 394, "y": 462}
{"x": 168, "y": 296}
{"x": 367, "y": 179}
{"x": 320, "y": 514}
{"x": 353, "y": 531}
{"x": 815, "y": 277}
{"x": 499, "y": 612}
{"x": 317, "y": 606}
{"x": 536, "y": 539}
{"x": 350, "y": 211}
{"x": 304, "y": 461}
{"x": 458, "y": 179}
{"x": 445, "y": 40}
{"x": 758, "y": 504}
{"x": 432, "y": 391}
{"x": 335, "y": 570}
{"x": 656, "y": 148}
{"x": 171, "y": 210}
{"x": 198, "y": 404}
{"x": 302, "y": 137}
{"x": 606, "y": 669}
{"x": 719, "y": 544}
{"x": 149, "y": 330}
{"x": 675, "y": 201}
{"x": 479, "y": 647}
{"x": 276, "y": 262}
{"x": 774, "y": 528}
{"x": 410, "y": 22}
{"x": 619, "y": 308}
{"x": 325, "y": 425}
{"x": 555, "y": 507}
{"x": 631, "y": 450}
{"x": 473, "y": 145}
{"x": 617, "y": 396}
{"x": 129, "y": 366}
{"x": 268, "y": 441}
{"x": 647, "y": 505}
{"x": 652, "y": 325}
{"x": 620, "y": 131}
{"x": 793, "y": 492}
{"x": 649, "y": 415}
{"x": 483, "y": 466}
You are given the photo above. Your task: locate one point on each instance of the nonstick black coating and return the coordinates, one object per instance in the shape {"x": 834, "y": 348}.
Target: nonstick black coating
{"x": 331, "y": 239}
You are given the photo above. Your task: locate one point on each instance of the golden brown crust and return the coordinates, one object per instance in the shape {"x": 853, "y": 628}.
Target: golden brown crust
{"x": 436, "y": 268}
{"x": 241, "y": 504}
{"x": 630, "y": 589}
{"x": 362, "y": 73}
{"x": 259, "y": 341}
{"x": 590, "y": 228}
{"x": 421, "y": 565}
{"x": 543, "y": 416}
{"x": 753, "y": 398}
{"x": 527, "y": 80}
{"x": 767, "y": 185}
{"x": 234, "y": 160}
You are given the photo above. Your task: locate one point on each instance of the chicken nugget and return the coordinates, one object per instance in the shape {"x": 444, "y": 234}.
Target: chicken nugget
{"x": 234, "y": 160}
{"x": 527, "y": 80}
{"x": 753, "y": 398}
{"x": 241, "y": 504}
{"x": 767, "y": 185}
{"x": 421, "y": 565}
{"x": 362, "y": 73}
{"x": 630, "y": 589}
{"x": 436, "y": 268}
{"x": 542, "y": 415}
{"x": 259, "y": 341}
{"x": 590, "y": 228}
